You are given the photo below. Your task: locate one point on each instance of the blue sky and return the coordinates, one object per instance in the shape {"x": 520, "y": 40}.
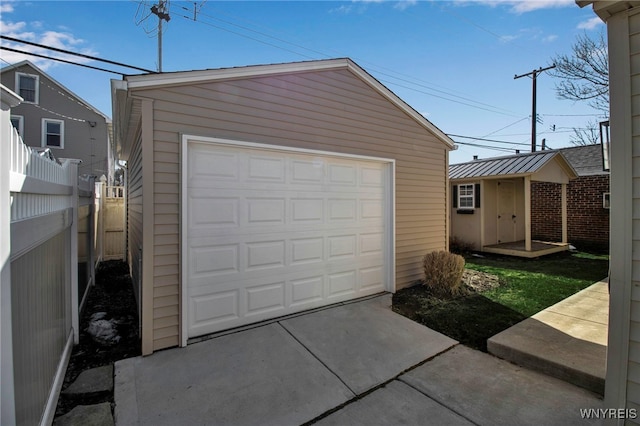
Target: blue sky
{"x": 452, "y": 61}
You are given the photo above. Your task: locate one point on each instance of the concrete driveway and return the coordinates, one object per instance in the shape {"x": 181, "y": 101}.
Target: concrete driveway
{"x": 355, "y": 363}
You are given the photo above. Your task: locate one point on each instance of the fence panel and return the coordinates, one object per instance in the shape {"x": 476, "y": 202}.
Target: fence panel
{"x": 39, "y": 277}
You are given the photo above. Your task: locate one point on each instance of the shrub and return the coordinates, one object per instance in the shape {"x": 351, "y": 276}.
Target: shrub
{"x": 443, "y": 272}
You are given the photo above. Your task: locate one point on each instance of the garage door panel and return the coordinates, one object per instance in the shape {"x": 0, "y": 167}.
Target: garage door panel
{"x": 285, "y": 232}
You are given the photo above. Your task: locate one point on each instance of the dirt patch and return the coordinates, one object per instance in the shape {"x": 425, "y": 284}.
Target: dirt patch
{"x": 111, "y": 301}
{"x": 478, "y": 282}
{"x": 468, "y": 317}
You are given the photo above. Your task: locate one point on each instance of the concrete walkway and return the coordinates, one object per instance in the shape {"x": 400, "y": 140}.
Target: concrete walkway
{"x": 357, "y": 363}
{"x": 567, "y": 340}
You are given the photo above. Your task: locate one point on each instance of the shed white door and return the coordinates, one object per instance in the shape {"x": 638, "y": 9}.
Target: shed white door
{"x": 271, "y": 232}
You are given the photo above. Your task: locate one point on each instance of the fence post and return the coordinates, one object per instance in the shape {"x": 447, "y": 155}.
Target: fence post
{"x": 91, "y": 232}
{"x": 101, "y": 212}
{"x": 8, "y": 99}
{"x": 72, "y": 164}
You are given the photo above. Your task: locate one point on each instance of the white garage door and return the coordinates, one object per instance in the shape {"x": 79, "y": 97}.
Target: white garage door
{"x": 269, "y": 232}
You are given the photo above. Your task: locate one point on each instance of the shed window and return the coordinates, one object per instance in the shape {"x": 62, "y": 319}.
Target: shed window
{"x": 465, "y": 196}
{"x": 52, "y": 133}
{"x": 27, "y": 86}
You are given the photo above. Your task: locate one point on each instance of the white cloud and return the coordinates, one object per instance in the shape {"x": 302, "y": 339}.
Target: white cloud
{"x": 35, "y": 32}
{"x": 590, "y": 24}
{"x": 523, "y": 6}
{"x": 6, "y": 7}
{"x": 404, "y": 4}
{"x": 550, "y": 38}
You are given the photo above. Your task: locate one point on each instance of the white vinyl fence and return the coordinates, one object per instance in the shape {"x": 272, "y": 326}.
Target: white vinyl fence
{"x": 39, "y": 290}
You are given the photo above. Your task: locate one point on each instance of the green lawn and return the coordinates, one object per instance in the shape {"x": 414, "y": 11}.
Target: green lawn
{"x": 534, "y": 284}
{"x": 527, "y": 286}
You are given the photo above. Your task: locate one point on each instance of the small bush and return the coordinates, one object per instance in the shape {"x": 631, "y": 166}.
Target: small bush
{"x": 443, "y": 272}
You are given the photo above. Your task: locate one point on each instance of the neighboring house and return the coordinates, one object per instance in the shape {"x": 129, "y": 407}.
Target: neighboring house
{"x": 260, "y": 191}
{"x": 492, "y": 202}
{"x": 587, "y": 203}
{"x": 53, "y": 117}
{"x": 622, "y": 386}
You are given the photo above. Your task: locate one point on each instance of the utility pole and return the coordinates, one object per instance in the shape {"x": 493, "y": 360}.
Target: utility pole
{"x": 534, "y": 117}
{"x": 162, "y": 12}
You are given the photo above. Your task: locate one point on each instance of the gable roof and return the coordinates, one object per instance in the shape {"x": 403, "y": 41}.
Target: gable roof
{"x": 586, "y": 160}
{"x": 154, "y": 80}
{"x": 510, "y": 166}
{"x": 54, "y": 81}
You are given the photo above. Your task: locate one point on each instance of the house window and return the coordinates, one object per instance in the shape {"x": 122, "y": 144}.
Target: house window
{"x": 466, "y": 196}
{"x": 18, "y": 122}
{"x": 52, "y": 133}
{"x": 27, "y": 86}
{"x": 606, "y": 200}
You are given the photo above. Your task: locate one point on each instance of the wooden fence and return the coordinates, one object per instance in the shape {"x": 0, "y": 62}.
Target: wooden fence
{"x": 48, "y": 254}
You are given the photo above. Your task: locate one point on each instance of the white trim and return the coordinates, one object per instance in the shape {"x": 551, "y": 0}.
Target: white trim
{"x": 390, "y": 248}
{"x": 20, "y": 127}
{"x": 473, "y": 196}
{"x": 54, "y": 393}
{"x": 189, "y": 77}
{"x": 43, "y": 135}
{"x": 622, "y": 228}
{"x": 19, "y": 74}
{"x": 270, "y": 147}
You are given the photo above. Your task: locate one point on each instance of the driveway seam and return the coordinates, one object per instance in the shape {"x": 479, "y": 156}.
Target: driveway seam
{"x": 358, "y": 397}
{"x": 438, "y": 402}
{"x": 316, "y": 357}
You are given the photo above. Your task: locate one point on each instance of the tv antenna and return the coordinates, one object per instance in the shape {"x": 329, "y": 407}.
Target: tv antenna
{"x": 145, "y": 11}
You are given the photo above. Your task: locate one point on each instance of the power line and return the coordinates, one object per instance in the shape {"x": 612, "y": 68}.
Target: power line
{"x": 68, "y": 52}
{"x": 486, "y": 140}
{"x": 57, "y": 59}
{"x": 470, "y": 102}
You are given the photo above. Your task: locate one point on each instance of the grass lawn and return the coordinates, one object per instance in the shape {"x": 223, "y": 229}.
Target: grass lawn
{"x": 527, "y": 287}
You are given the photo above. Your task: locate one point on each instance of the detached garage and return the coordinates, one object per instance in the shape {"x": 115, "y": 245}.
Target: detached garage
{"x": 262, "y": 191}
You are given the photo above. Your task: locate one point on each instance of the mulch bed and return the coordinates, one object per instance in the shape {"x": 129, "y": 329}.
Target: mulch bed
{"x": 468, "y": 317}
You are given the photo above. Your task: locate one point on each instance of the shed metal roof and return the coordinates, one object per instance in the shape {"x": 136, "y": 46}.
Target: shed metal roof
{"x": 520, "y": 164}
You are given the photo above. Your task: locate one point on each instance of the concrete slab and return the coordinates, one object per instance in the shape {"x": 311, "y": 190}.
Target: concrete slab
{"x": 91, "y": 382}
{"x": 365, "y": 343}
{"x": 259, "y": 376}
{"x": 567, "y": 340}
{"x": 87, "y": 415}
{"x": 395, "y": 404}
{"x": 490, "y": 391}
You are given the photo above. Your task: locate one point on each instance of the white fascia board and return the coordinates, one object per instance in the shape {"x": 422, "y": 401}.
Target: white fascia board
{"x": 186, "y": 77}
{"x": 9, "y": 98}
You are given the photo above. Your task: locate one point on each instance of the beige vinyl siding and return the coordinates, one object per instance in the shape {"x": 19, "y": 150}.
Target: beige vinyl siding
{"x": 323, "y": 110}
{"x": 633, "y": 372}
{"x": 134, "y": 217}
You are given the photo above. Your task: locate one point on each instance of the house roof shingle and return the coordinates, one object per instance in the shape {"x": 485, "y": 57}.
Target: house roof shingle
{"x": 586, "y": 159}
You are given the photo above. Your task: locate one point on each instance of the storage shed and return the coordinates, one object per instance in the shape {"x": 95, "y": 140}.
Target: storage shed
{"x": 492, "y": 202}
{"x": 261, "y": 191}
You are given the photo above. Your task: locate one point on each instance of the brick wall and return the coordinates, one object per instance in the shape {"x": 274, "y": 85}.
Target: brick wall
{"x": 587, "y": 220}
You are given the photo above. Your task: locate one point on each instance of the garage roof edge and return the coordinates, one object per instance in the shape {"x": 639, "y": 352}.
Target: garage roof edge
{"x": 143, "y": 81}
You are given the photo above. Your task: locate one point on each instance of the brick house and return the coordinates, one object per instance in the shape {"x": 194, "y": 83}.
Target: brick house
{"x": 587, "y": 211}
